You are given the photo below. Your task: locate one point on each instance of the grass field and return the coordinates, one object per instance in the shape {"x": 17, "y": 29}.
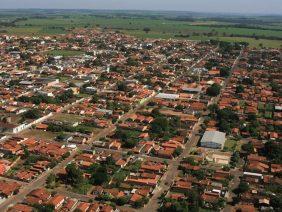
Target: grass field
{"x": 230, "y": 145}
{"x": 160, "y": 27}
{"x": 68, "y": 117}
{"x": 65, "y": 53}
{"x": 39, "y": 134}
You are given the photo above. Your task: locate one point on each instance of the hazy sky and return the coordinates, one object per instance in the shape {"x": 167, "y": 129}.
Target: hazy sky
{"x": 237, "y": 6}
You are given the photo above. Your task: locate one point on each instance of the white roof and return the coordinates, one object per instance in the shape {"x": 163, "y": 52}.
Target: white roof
{"x": 277, "y": 107}
{"x": 167, "y": 96}
{"x": 253, "y": 174}
{"x": 214, "y": 136}
{"x": 198, "y": 89}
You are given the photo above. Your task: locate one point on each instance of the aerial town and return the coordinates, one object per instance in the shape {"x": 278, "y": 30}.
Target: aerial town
{"x": 99, "y": 121}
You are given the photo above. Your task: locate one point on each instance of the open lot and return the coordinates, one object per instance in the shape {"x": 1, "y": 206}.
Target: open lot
{"x": 64, "y": 53}
{"x": 39, "y": 134}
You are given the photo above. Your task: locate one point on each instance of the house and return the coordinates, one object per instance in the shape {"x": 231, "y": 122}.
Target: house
{"x": 134, "y": 198}
{"x": 210, "y": 197}
{"x": 106, "y": 208}
{"x": 166, "y": 153}
{"x": 213, "y": 139}
{"x": 57, "y": 201}
{"x": 276, "y": 168}
{"x": 182, "y": 185}
{"x": 94, "y": 207}
{"x": 41, "y": 126}
{"x": 8, "y": 189}
{"x": 143, "y": 181}
{"x": 83, "y": 206}
{"x": 3, "y": 168}
{"x": 115, "y": 145}
{"x": 25, "y": 175}
{"x": 20, "y": 208}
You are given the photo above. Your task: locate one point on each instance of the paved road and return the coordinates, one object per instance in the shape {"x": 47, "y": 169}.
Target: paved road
{"x": 172, "y": 171}
{"x": 233, "y": 184}
{"x": 227, "y": 80}
{"x": 167, "y": 178}
{"x": 12, "y": 180}
{"x": 39, "y": 182}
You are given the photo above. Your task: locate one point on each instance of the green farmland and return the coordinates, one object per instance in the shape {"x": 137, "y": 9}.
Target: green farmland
{"x": 257, "y": 31}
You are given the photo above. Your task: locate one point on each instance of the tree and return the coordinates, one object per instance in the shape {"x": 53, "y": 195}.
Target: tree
{"x": 44, "y": 208}
{"x": 193, "y": 199}
{"x": 94, "y": 99}
{"x": 220, "y": 203}
{"x": 128, "y": 138}
{"x": 273, "y": 151}
{"x": 122, "y": 200}
{"x": 121, "y": 86}
{"x": 227, "y": 119}
{"x": 26, "y": 153}
{"x": 74, "y": 175}
{"x": 99, "y": 176}
{"x": 32, "y": 114}
{"x": 240, "y": 89}
{"x": 261, "y": 45}
{"x": 213, "y": 90}
{"x": 64, "y": 97}
{"x": 132, "y": 62}
{"x": 190, "y": 160}
{"x": 160, "y": 125}
{"x": 242, "y": 188}
{"x": 51, "y": 181}
{"x": 234, "y": 159}
{"x": 248, "y": 147}
{"x": 146, "y": 29}
{"x": 274, "y": 86}
{"x": 14, "y": 83}
{"x": 177, "y": 151}
{"x": 224, "y": 72}
{"x": 199, "y": 174}
{"x": 276, "y": 202}
{"x": 248, "y": 81}
{"x": 141, "y": 202}
{"x": 213, "y": 108}
{"x": 156, "y": 112}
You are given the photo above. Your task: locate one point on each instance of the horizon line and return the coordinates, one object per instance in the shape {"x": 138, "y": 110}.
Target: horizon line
{"x": 149, "y": 10}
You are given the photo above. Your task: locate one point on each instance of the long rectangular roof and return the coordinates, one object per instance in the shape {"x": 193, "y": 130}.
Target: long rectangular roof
{"x": 167, "y": 96}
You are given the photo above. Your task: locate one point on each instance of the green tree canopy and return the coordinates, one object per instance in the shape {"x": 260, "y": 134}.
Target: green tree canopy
{"x": 213, "y": 90}
{"x": 74, "y": 175}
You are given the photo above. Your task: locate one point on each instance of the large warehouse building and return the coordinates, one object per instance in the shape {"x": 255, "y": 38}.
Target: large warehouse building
{"x": 213, "y": 139}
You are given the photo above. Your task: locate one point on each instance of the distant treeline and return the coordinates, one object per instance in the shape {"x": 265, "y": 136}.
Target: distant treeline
{"x": 244, "y": 26}
{"x": 256, "y": 36}
{"x": 244, "y": 21}
{"x": 210, "y": 34}
{"x": 11, "y": 23}
{"x": 181, "y": 18}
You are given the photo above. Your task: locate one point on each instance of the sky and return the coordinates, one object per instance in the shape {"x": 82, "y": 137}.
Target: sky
{"x": 225, "y": 6}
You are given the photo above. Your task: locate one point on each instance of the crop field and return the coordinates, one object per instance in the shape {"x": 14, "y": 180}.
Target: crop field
{"x": 264, "y": 32}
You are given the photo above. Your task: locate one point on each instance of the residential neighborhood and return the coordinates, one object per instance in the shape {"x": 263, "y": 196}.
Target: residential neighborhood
{"x": 96, "y": 120}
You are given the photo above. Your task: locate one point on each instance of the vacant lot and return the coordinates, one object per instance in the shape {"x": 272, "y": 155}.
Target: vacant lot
{"x": 64, "y": 53}
{"x": 39, "y": 134}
